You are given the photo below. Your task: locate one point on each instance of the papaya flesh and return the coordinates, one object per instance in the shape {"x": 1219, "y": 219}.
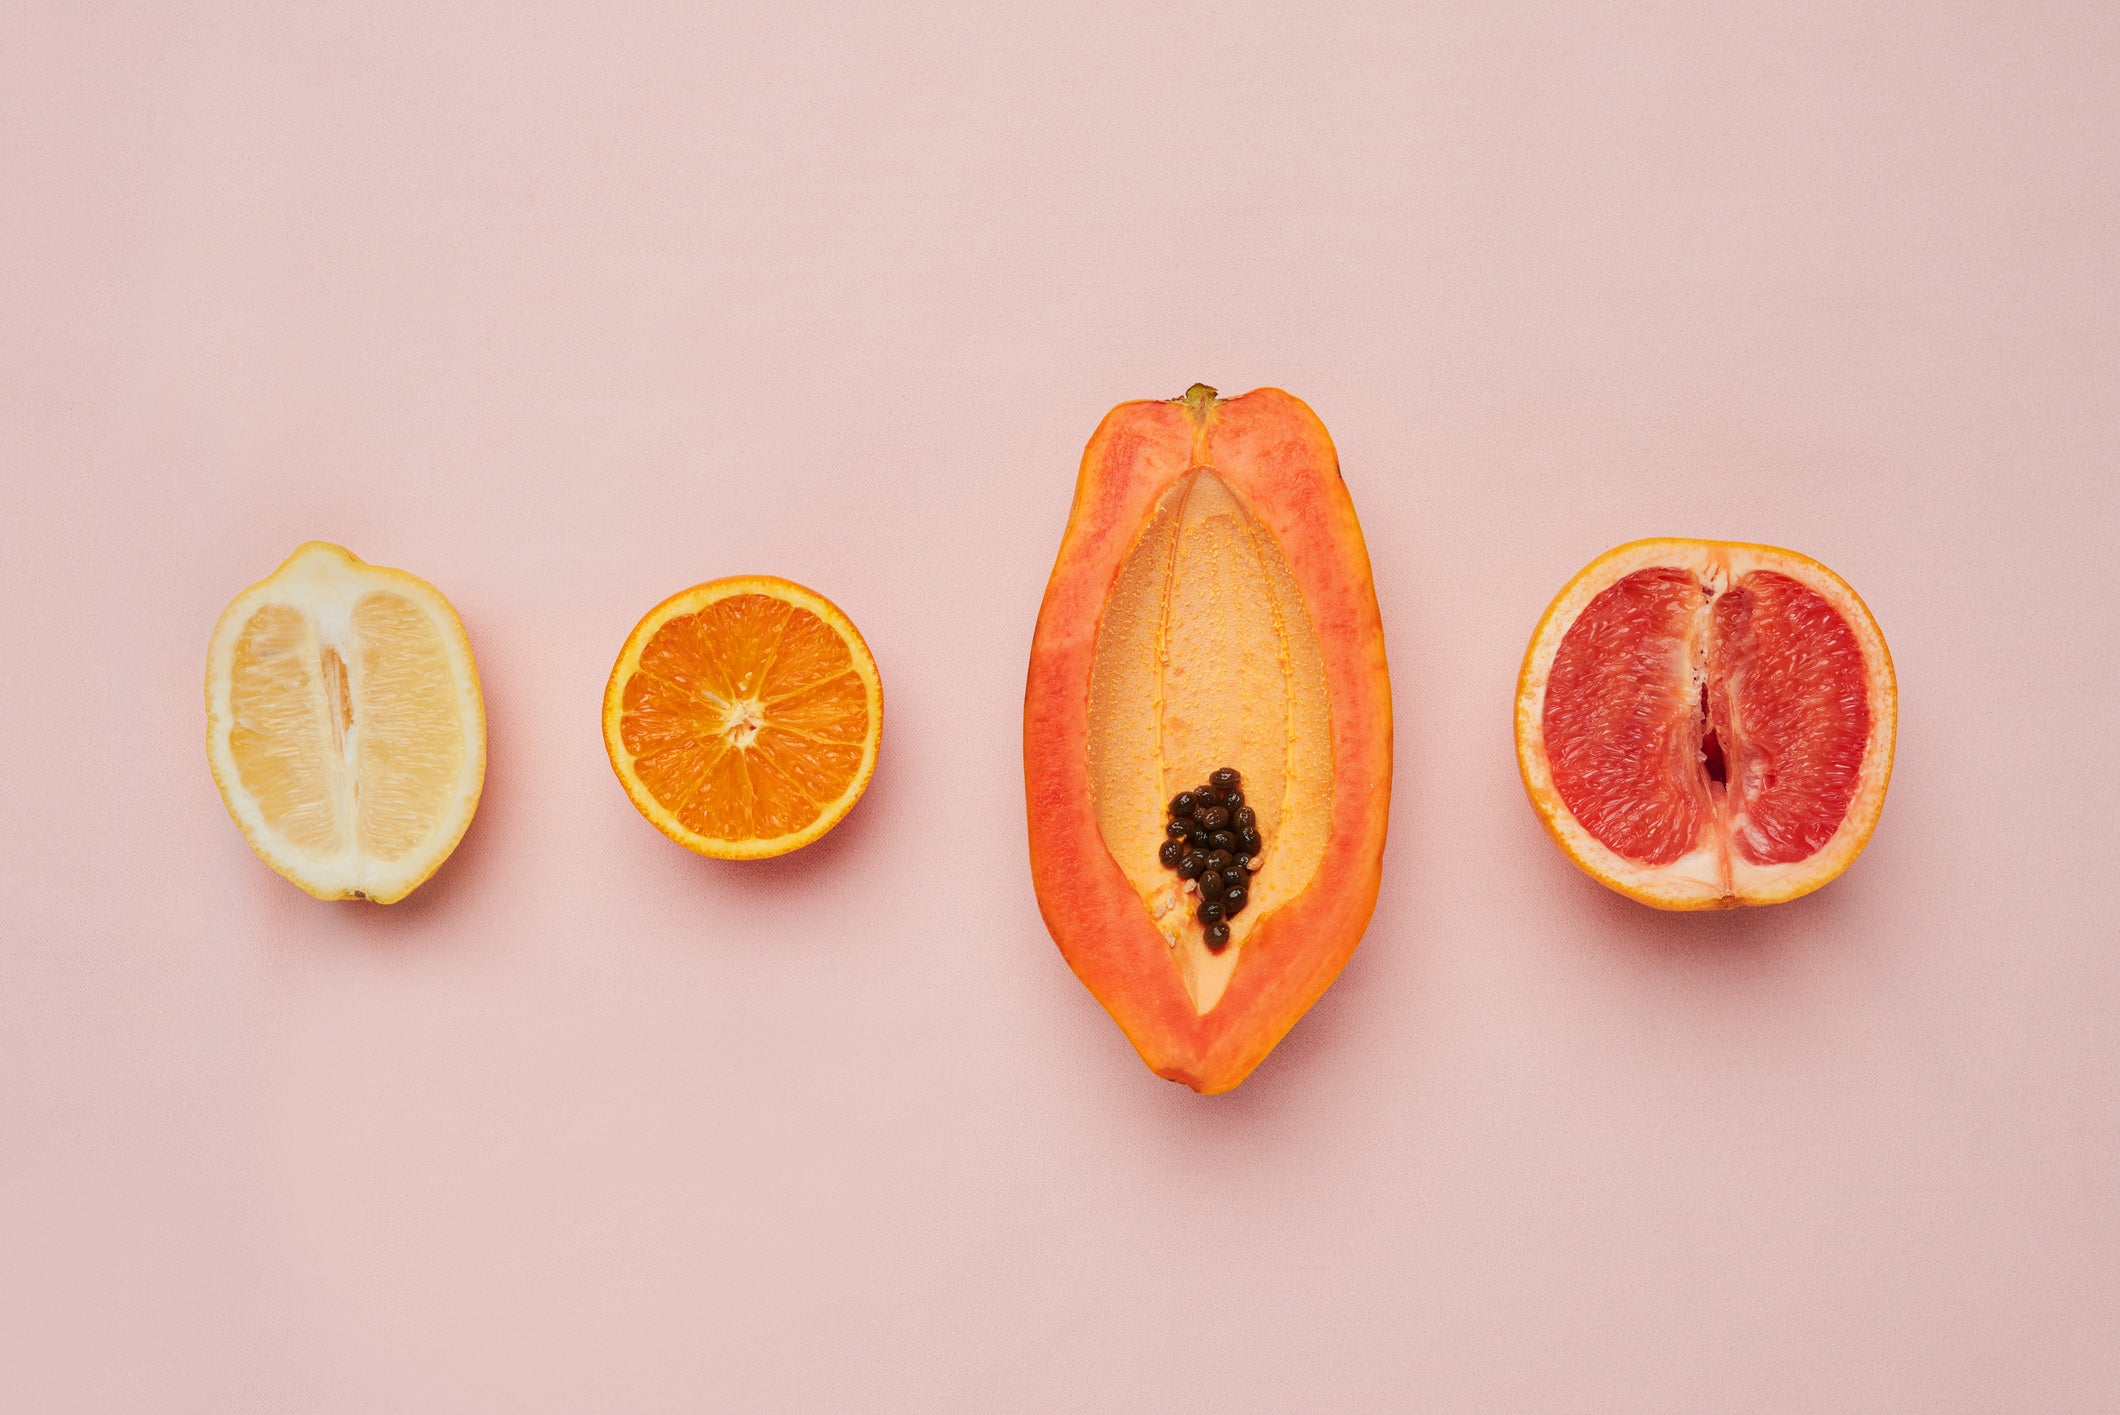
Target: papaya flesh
{"x": 1211, "y": 606}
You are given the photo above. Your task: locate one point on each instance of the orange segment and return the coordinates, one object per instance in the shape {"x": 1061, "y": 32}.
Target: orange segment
{"x": 743, "y": 716}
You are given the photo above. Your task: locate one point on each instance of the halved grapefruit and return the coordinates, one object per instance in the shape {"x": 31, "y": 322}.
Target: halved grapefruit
{"x": 1703, "y": 724}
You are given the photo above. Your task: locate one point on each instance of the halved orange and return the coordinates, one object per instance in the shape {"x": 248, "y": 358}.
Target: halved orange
{"x": 344, "y": 724}
{"x": 1703, "y": 724}
{"x": 743, "y": 716}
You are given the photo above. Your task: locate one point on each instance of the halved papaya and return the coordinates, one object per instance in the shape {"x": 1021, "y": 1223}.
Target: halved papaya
{"x": 1209, "y": 642}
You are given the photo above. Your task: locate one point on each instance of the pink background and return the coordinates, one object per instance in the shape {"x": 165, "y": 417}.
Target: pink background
{"x": 568, "y": 307}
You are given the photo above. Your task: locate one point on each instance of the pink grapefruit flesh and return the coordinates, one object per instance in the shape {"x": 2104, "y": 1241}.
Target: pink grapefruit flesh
{"x": 1700, "y": 722}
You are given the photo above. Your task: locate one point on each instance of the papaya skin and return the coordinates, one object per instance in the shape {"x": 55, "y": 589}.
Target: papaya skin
{"x": 1275, "y": 455}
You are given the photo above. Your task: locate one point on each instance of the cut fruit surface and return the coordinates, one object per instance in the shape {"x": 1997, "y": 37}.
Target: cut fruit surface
{"x": 344, "y": 724}
{"x": 1702, "y": 724}
{"x": 1209, "y": 631}
{"x": 1206, "y": 655}
{"x": 743, "y": 716}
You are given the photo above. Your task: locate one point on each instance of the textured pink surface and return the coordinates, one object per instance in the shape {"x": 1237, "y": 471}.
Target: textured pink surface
{"x": 567, "y": 308}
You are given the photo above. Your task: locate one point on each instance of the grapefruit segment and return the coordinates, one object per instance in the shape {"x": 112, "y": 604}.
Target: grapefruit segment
{"x": 1622, "y": 717}
{"x": 1702, "y": 724}
{"x": 1794, "y": 710}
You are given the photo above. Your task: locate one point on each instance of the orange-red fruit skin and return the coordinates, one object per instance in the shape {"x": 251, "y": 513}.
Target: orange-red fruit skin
{"x": 1275, "y": 454}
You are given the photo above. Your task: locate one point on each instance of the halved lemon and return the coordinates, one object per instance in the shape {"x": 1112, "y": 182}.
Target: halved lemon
{"x": 344, "y": 724}
{"x": 743, "y": 716}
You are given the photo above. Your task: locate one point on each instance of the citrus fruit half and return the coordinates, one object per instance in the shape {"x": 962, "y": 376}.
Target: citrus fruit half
{"x": 1703, "y": 724}
{"x": 743, "y": 716}
{"x": 344, "y": 724}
